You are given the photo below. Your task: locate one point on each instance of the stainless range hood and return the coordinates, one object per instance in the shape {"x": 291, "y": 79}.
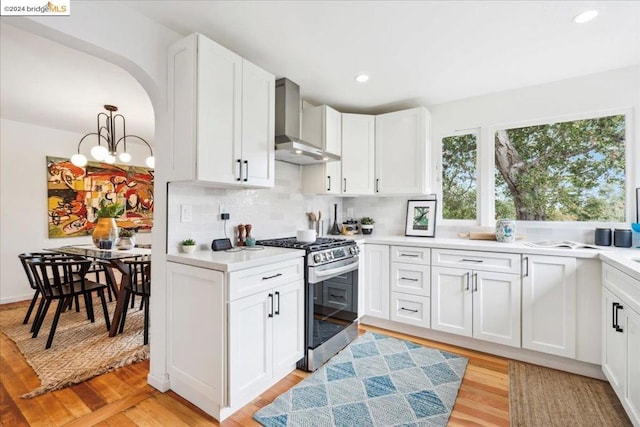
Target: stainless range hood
{"x": 289, "y": 147}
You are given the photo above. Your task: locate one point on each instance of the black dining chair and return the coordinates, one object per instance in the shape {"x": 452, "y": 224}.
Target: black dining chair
{"x": 139, "y": 284}
{"x": 62, "y": 279}
{"x": 32, "y": 282}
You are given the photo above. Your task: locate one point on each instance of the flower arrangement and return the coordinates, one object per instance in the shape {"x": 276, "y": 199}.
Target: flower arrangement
{"x": 110, "y": 210}
{"x": 126, "y": 232}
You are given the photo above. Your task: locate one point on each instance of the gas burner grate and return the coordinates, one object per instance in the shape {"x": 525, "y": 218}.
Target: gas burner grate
{"x": 320, "y": 243}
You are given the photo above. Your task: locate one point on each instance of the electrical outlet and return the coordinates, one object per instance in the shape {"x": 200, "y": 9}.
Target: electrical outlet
{"x": 186, "y": 213}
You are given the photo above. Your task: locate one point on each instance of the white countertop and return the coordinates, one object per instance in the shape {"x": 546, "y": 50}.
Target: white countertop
{"x": 624, "y": 260}
{"x": 233, "y": 261}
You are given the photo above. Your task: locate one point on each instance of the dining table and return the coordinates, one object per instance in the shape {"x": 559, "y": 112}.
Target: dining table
{"x": 113, "y": 259}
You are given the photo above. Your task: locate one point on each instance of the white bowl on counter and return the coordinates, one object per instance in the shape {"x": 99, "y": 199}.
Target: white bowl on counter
{"x": 306, "y": 236}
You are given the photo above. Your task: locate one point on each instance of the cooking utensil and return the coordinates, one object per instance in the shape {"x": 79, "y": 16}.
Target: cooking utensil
{"x": 335, "y": 229}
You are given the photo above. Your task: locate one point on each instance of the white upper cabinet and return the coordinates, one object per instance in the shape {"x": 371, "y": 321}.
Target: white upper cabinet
{"x": 222, "y": 108}
{"x": 322, "y": 127}
{"x": 358, "y": 153}
{"x": 402, "y": 152}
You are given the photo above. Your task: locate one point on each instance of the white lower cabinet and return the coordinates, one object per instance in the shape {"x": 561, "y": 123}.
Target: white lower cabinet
{"x": 376, "y": 281}
{"x": 233, "y": 335}
{"x": 479, "y": 304}
{"x": 410, "y": 309}
{"x": 621, "y": 338}
{"x": 549, "y": 305}
{"x": 482, "y": 301}
{"x": 266, "y": 333}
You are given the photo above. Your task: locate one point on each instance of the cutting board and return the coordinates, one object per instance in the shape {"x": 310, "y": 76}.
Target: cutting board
{"x": 485, "y": 235}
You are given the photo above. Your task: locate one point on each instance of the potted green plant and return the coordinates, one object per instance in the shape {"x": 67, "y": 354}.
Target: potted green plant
{"x": 105, "y": 232}
{"x": 366, "y": 223}
{"x": 126, "y": 238}
{"x": 188, "y": 245}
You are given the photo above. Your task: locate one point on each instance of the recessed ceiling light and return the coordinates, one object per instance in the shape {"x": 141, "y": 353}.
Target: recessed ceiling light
{"x": 585, "y": 16}
{"x": 361, "y": 78}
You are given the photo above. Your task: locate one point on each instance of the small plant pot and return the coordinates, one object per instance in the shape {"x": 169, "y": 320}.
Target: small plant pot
{"x": 367, "y": 228}
{"x": 188, "y": 249}
{"x": 126, "y": 243}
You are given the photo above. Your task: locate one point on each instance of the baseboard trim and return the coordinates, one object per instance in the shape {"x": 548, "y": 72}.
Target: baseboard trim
{"x": 160, "y": 382}
{"x": 529, "y": 356}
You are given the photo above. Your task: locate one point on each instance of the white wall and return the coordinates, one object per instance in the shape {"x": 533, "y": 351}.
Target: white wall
{"x": 276, "y": 212}
{"x": 23, "y": 199}
{"x": 612, "y": 90}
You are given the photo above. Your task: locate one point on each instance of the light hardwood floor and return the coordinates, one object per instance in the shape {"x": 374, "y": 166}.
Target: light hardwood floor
{"x": 123, "y": 397}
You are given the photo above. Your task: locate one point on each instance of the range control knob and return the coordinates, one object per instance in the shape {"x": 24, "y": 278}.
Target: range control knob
{"x": 316, "y": 257}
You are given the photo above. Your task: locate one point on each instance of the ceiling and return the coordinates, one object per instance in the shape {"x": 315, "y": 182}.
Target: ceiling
{"x": 415, "y": 52}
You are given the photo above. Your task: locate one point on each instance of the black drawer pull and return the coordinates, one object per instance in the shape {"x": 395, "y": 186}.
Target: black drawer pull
{"x": 409, "y": 278}
{"x": 410, "y": 255}
{"x": 471, "y": 260}
{"x": 272, "y": 277}
{"x": 336, "y": 296}
{"x": 277, "y": 313}
{"x": 618, "y": 306}
{"x": 271, "y": 312}
{"x": 408, "y": 309}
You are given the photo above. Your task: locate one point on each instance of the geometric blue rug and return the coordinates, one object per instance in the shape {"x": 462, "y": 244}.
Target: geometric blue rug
{"x": 375, "y": 381}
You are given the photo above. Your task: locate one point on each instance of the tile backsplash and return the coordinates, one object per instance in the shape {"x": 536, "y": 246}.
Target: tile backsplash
{"x": 280, "y": 211}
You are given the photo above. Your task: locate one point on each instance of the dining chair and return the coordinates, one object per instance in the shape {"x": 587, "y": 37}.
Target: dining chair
{"x": 32, "y": 283}
{"x": 139, "y": 284}
{"x": 62, "y": 279}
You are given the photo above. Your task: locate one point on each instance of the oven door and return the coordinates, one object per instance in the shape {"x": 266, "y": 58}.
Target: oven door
{"x": 332, "y": 304}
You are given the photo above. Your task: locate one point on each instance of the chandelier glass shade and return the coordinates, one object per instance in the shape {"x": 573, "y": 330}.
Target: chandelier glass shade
{"x": 106, "y": 149}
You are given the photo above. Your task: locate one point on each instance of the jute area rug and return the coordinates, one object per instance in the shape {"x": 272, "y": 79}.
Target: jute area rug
{"x": 80, "y": 350}
{"x": 541, "y": 396}
{"x": 376, "y": 381}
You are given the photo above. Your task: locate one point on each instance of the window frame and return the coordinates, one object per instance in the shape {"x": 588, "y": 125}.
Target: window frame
{"x": 485, "y": 164}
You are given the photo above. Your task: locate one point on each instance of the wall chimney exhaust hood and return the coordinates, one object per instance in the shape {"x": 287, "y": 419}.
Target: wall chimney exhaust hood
{"x": 289, "y": 147}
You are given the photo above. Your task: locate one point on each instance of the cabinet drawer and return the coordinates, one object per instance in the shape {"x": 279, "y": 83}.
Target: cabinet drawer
{"x": 623, "y": 285}
{"x": 252, "y": 280}
{"x": 410, "y": 309}
{"x": 411, "y": 278}
{"x": 481, "y": 261}
{"x": 410, "y": 255}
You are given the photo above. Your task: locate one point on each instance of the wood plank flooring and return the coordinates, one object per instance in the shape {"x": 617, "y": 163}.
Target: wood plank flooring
{"x": 123, "y": 398}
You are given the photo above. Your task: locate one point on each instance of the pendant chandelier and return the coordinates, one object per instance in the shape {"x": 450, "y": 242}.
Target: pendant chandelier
{"x": 106, "y": 149}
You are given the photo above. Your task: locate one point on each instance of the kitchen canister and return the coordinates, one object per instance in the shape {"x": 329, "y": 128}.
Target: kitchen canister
{"x": 506, "y": 230}
{"x": 622, "y": 238}
{"x": 602, "y": 237}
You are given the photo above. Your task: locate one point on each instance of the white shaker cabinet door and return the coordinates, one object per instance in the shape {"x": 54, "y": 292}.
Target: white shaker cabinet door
{"x": 496, "y": 307}
{"x": 358, "y": 151}
{"x": 258, "y": 126}
{"x": 549, "y": 305}
{"x": 451, "y": 301}
{"x": 377, "y": 281}
{"x": 633, "y": 363}
{"x": 250, "y": 346}
{"x": 288, "y": 329}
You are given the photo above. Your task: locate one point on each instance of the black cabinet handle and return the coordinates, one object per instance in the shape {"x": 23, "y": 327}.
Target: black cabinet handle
{"x": 329, "y": 183}
{"x": 239, "y": 170}
{"x": 377, "y": 185}
{"x": 278, "y": 309}
{"x": 475, "y": 287}
{"x": 410, "y": 255}
{"x": 613, "y": 315}
{"x": 271, "y": 312}
{"x": 468, "y": 276}
{"x": 336, "y": 296}
{"x": 617, "y": 307}
{"x": 272, "y": 277}
{"x": 526, "y": 263}
{"x": 246, "y": 175}
{"x": 409, "y": 278}
{"x": 345, "y": 185}
{"x": 408, "y": 309}
{"x": 471, "y": 260}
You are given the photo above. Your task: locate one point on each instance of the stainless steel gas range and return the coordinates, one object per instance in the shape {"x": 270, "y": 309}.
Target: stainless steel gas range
{"x": 331, "y": 296}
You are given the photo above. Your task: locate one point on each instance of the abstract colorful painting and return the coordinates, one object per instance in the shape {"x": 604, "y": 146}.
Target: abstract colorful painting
{"x": 74, "y": 194}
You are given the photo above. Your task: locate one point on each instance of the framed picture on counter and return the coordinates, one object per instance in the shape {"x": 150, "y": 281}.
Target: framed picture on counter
{"x": 421, "y": 218}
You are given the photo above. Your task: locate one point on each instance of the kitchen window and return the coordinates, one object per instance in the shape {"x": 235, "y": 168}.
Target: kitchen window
{"x": 459, "y": 177}
{"x": 564, "y": 171}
